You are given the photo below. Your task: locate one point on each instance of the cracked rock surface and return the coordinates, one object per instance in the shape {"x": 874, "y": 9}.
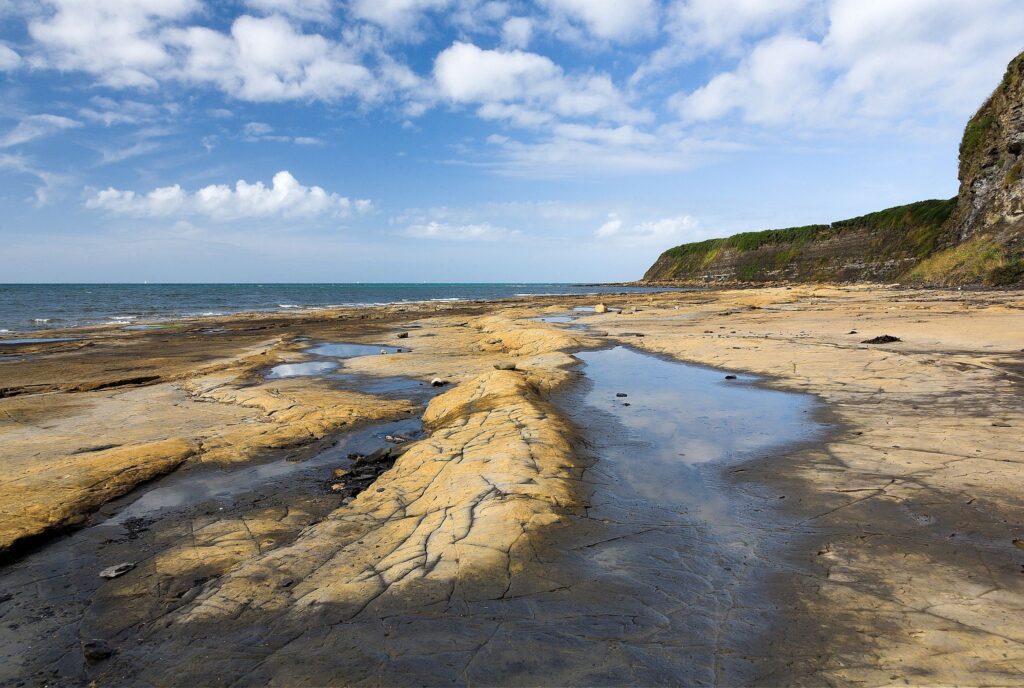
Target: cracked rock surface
{"x": 499, "y": 549}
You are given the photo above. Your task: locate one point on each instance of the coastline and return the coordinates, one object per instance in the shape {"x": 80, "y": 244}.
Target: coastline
{"x": 905, "y": 513}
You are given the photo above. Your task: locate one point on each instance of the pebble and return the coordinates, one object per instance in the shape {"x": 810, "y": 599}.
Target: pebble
{"x": 730, "y": 377}
{"x": 438, "y": 382}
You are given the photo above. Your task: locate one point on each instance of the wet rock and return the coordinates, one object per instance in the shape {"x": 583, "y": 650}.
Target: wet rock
{"x": 438, "y": 382}
{"x": 338, "y": 487}
{"x": 117, "y": 570}
{"x": 340, "y": 472}
{"x": 621, "y": 394}
{"x": 395, "y": 439}
{"x": 96, "y": 650}
{"x": 730, "y": 377}
{"x": 884, "y": 339}
{"x": 383, "y": 352}
{"x": 505, "y": 365}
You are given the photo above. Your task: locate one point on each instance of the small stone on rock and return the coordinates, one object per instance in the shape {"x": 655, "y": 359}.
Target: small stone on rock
{"x": 505, "y": 365}
{"x": 438, "y": 382}
{"x": 96, "y": 650}
{"x": 403, "y": 335}
{"x": 117, "y": 570}
{"x": 884, "y": 339}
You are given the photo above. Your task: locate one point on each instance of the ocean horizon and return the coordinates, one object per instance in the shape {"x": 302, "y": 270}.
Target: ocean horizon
{"x": 38, "y": 307}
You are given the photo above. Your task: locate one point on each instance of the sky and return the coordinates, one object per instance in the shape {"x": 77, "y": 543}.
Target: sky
{"x": 465, "y": 140}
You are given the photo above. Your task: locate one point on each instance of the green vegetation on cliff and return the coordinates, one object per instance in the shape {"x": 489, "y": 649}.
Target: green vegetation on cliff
{"x": 892, "y": 237}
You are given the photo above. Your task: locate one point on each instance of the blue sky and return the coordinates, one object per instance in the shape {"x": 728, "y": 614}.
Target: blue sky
{"x": 465, "y": 140}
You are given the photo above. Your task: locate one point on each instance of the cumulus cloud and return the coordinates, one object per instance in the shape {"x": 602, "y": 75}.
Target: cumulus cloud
{"x": 36, "y": 126}
{"x": 444, "y": 231}
{"x": 9, "y": 60}
{"x": 143, "y": 43}
{"x": 116, "y": 40}
{"x": 285, "y": 197}
{"x": 267, "y": 59}
{"x": 662, "y": 232}
{"x": 527, "y": 89}
{"x": 878, "y": 60}
{"x": 610, "y": 19}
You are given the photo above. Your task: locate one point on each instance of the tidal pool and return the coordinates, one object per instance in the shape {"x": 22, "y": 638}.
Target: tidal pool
{"x": 300, "y": 369}
{"x": 38, "y": 340}
{"x": 675, "y": 420}
{"x": 350, "y": 350}
{"x": 189, "y": 488}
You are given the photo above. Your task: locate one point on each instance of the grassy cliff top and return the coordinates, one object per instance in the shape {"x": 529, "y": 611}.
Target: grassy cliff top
{"x": 912, "y": 229}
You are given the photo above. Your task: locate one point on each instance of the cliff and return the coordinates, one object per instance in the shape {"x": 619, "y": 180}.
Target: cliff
{"x": 976, "y": 237}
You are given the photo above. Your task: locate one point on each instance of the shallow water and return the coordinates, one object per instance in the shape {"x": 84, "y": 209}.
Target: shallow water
{"x": 341, "y": 350}
{"x": 554, "y": 318}
{"x": 306, "y": 369}
{"x": 677, "y": 417}
{"x": 38, "y": 340}
{"x": 200, "y": 486}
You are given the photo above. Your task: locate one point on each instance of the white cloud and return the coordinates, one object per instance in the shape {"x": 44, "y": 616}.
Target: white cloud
{"x": 527, "y": 89}
{"x": 780, "y": 82}
{"x": 116, "y": 40}
{"x": 878, "y": 61}
{"x": 398, "y": 15}
{"x": 110, "y": 112}
{"x": 48, "y": 181}
{"x": 573, "y": 150}
{"x": 516, "y": 32}
{"x": 286, "y": 198}
{"x": 454, "y": 232}
{"x": 610, "y": 19}
{"x": 267, "y": 59}
{"x": 308, "y": 10}
{"x": 36, "y": 126}
{"x": 257, "y": 129}
{"x": 144, "y": 43}
{"x": 9, "y": 60}
{"x": 663, "y": 232}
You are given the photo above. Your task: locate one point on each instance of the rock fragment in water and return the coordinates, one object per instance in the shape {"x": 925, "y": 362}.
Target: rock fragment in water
{"x": 383, "y": 352}
{"x": 621, "y": 394}
{"x": 117, "y": 570}
{"x": 600, "y": 308}
{"x": 730, "y": 377}
{"x": 395, "y": 439}
{"x": 438, "y": 382}
{"x": 884, "y": 339}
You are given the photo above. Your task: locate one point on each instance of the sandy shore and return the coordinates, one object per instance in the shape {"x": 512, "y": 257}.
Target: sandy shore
{"x": 898, "y": 555}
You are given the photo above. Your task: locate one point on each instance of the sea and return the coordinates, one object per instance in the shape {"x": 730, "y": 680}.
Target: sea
{"x": 35, "y": 307}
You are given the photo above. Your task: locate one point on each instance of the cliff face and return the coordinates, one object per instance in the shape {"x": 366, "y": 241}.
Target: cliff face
{"x": 976, "y": 237}
{"x": 991, "y": 198}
